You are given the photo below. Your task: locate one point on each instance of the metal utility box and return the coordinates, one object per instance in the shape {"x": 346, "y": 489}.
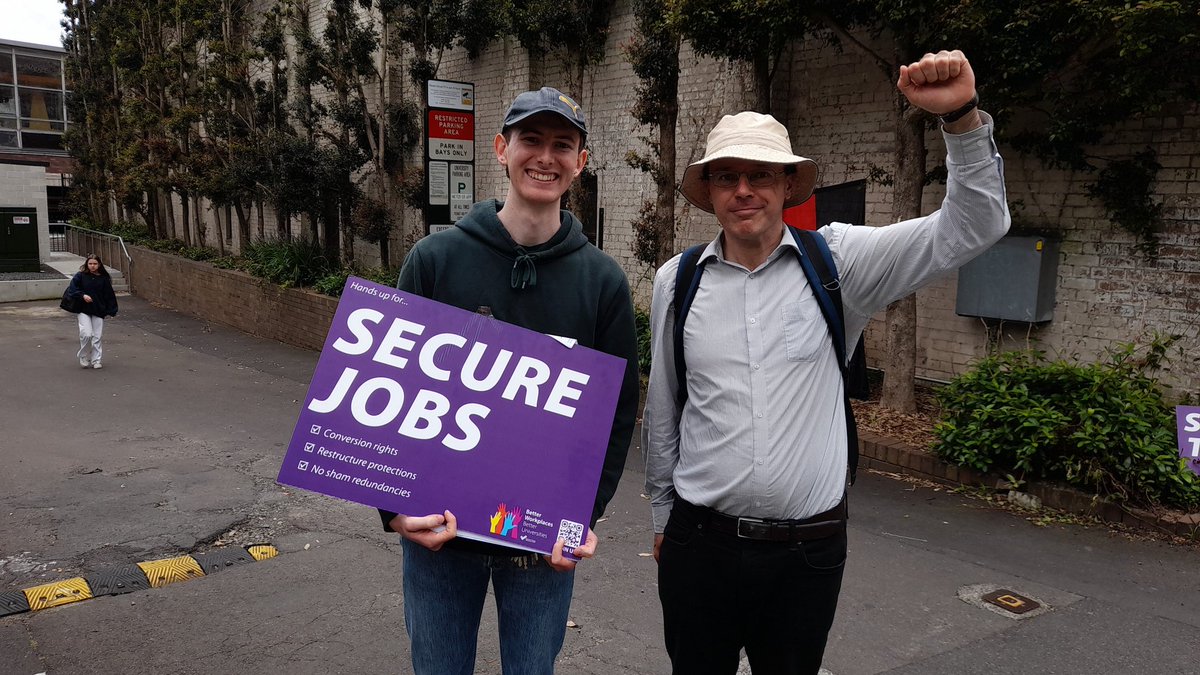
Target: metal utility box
{"x": 19, "y": 240}
{"x": 1013, "y": 280}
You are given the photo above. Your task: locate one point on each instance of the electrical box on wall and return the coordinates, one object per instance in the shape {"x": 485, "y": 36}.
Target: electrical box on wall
{"x": 19, "y": 240}
{"x": 1014, "y": 280}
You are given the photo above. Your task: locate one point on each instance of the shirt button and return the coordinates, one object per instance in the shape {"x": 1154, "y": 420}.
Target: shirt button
{"x": 751, "y": 276}
{"x": 756, "y": 366}
{"x": 759, "y": 415}
{"x": 759, "y": 462}
{"x": 753, "y": 320}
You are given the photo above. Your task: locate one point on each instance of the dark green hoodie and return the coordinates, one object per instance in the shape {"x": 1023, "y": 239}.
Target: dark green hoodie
{"x": 565, "y": 287}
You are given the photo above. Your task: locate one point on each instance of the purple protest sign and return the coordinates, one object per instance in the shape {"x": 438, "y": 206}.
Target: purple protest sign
{"x": 1187, "y": 420}
{"x": 417, "y": 407}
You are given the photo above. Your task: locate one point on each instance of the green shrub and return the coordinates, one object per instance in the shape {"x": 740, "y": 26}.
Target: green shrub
{"x": 226, "y": 262}
{"x": 1103, "y": 427}
{"x": 332, "y": 283}
{"x": 298, "y": 262}
{"x": 641, "y": 322}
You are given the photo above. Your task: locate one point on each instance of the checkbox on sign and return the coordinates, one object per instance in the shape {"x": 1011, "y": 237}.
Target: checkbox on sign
{"x": 316, "y": 429}
{"x": 308, "y": 447}
{"x": 303, "y": 466}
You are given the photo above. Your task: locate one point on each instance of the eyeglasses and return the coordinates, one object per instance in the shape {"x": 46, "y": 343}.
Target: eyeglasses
{"x": 760, "y": 178}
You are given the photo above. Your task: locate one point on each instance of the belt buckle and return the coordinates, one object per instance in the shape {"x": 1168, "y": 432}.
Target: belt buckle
{"x": 752, "y": 528}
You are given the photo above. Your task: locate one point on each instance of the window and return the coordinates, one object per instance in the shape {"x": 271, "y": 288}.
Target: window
{"x": 33, "y": 113}
{"x": 40, "y": 104}
{"x": 8, "y": 101}
{"x": 6, "y": 67}
{"x": 33, "y": 71}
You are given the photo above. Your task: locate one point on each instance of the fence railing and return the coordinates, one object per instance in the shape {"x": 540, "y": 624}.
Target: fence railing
{"x": 110, "y": 247}
{"x": 58, "y": 237}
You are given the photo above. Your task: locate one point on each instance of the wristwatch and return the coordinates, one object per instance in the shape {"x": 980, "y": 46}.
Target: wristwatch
{"x": 955, "y": 115}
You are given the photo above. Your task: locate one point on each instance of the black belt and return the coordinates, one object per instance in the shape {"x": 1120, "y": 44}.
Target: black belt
{"x": 820, "y": 526}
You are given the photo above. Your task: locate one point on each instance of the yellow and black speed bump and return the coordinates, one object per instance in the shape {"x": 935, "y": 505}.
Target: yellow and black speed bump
{"x": 124, "y": 579}
{"x": 215, "y": 561}
{"x": 58, "y": 593}
{"x": 13, "y": 602}
{"x": 129, "y": 578}
{"x": 169, "y": 570}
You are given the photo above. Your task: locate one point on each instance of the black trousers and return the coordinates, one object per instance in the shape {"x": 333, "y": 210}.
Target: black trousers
{"x": 720, "y": 593}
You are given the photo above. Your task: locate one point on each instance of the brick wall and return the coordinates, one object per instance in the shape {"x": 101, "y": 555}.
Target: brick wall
{"x": 236, "y": 299}
{"x": 837, "y": 107}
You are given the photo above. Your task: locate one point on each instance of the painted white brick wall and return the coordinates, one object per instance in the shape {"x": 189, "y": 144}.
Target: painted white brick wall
{"x": 837, "y": 107}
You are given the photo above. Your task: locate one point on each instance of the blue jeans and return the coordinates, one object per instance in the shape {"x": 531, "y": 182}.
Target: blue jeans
{"x": 443, "y": 605}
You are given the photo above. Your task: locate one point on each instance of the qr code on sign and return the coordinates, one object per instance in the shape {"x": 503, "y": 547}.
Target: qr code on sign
{"x": 571, "y": 533}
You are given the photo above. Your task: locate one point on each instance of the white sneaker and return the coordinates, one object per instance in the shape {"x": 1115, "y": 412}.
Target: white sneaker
{"x": 83, "y": 363}
{"x": 96, "y": 365}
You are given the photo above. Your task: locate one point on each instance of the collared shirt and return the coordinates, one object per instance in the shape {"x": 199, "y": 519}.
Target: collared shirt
{"x": 763, "y": 430}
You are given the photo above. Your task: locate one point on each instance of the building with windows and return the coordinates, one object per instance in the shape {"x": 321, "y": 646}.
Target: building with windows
{"x": 35, "y": 169}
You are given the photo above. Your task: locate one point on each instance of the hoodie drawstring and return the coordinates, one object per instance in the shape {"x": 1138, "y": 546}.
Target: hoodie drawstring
{"x": 523, "y": 272}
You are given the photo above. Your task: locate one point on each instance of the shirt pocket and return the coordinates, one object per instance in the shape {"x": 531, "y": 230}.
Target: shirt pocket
{"x": 802, "y": 330}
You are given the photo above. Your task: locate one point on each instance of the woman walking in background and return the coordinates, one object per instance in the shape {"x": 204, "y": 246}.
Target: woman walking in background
{"x": 91, "y": 290}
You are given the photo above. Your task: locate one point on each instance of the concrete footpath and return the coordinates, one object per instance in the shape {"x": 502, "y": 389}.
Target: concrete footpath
{"x": 173, "y": 448}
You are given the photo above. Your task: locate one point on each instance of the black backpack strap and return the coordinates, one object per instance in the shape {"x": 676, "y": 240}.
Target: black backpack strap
{"x": 687, "y": 280}
{"x": 818, "y": 265}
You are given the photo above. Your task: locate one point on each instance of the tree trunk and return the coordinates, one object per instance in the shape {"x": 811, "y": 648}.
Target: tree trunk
{"x": 344, "y": 215}
{"x": 664, "y": 209}
{"x": 262, "y": 224}
{"x": 901, "y": 356}
{"x": 216, "y": 210}
{"x": 243, "y": 226}
{"x": 201, "y": 232}
{"x": 151, "y": 213}
{"x": 187, "y": 217}
{"x": 762, "y": 84}
{"x": 169, "y": 213}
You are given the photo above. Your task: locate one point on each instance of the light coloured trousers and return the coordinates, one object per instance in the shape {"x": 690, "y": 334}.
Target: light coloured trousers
{"x": 91, "y": 328}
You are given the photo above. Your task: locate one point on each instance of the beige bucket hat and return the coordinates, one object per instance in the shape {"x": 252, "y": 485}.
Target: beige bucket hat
{"x": 754, "y": 137}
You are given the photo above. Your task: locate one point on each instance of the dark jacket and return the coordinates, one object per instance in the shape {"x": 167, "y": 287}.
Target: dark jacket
{"x": 100, "y": 288}
{"x": 565, "y": 287}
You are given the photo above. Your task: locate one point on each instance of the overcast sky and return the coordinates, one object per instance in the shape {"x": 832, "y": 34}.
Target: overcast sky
{"x": 34, "y": 21}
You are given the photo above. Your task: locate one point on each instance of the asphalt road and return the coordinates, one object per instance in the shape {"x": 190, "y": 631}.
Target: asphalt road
{"x": 173, "y": 448}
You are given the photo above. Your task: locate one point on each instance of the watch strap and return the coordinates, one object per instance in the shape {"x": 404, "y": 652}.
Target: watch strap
{"x": 955, "y": 115}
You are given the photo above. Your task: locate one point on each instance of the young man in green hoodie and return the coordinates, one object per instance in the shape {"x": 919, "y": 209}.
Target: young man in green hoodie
{"x": 523, "y": 261}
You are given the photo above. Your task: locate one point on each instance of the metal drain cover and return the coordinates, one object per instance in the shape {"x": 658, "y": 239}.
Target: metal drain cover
{"x": 1004, "y": 601}
{"x": 1010, "y": 601}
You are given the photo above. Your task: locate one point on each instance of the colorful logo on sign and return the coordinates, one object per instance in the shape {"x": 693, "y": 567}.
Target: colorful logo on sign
{"x": 1188, "y": 419}
{"x": 505, "y": 521}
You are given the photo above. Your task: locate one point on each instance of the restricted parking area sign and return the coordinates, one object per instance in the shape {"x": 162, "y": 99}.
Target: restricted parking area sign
{"x": 450, "y": 152}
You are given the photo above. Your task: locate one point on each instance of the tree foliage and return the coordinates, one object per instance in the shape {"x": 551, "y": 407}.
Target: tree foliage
{"x": 654, "y": 55}
{"x": 753, "y": 31}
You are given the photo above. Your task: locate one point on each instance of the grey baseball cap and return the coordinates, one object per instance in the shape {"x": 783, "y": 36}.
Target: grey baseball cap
{"x": 546, "y": 99}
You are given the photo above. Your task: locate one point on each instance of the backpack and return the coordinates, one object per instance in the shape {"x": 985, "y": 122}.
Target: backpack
{"x": 821, "y": 273}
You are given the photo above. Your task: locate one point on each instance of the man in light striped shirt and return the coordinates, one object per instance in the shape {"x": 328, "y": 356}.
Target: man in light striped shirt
{"x": 747, "y": 472}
